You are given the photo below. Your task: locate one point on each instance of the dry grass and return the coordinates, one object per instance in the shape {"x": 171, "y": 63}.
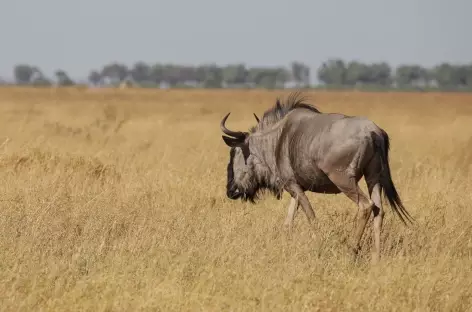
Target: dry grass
{"x": 115, "y": 200}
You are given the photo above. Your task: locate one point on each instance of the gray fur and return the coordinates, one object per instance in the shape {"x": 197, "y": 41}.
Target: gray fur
{"x": 297, "y": 148}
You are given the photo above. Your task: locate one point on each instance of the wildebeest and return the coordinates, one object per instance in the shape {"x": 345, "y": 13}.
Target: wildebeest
{"x": 297, "y": 148}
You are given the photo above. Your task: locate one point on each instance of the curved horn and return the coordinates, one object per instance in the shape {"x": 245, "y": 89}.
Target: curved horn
{"x": 257, "y": 118}
{"x": 234, "y": 134}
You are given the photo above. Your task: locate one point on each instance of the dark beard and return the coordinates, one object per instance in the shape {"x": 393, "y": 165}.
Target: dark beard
{"x": 254, "y": 193}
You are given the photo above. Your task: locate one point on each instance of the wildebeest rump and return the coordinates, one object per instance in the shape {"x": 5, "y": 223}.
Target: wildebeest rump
{"x": 297, "y": 148}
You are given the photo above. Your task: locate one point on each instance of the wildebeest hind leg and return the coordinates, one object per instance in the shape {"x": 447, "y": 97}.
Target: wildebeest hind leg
{"x": 350, "y": 188}
{"x": 378, "y": 219}
{"x": 372, "y": 176}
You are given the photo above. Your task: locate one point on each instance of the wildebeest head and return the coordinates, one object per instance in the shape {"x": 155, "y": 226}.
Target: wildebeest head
{"x": 248, "y": 171}
{"x": 241, "y": 179}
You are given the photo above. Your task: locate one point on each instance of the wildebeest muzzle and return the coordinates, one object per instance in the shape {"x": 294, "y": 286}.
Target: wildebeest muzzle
{"x": 233, "y": 193}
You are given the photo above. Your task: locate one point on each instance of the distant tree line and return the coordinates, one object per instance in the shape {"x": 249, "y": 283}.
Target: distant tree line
{"x": 334, "y": 73}
{"x": 444, "y": 76}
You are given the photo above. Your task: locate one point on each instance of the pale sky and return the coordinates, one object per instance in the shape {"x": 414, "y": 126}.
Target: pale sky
{"x": 81, "y": 35}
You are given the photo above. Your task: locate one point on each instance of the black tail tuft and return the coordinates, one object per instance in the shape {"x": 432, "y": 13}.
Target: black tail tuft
{"x": 390, "y": 193}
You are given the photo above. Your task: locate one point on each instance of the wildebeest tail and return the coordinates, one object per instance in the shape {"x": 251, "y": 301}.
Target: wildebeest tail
{"x": 390, "y": 192}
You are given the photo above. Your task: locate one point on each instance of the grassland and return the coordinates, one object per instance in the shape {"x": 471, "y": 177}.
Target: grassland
{"x": 115, "y": 201}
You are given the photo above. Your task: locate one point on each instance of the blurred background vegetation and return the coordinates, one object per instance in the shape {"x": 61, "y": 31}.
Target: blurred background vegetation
{"x": 333, "y": 74}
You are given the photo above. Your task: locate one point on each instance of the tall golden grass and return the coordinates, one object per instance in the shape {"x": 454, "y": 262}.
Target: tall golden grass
{"x": 114, "y": 200}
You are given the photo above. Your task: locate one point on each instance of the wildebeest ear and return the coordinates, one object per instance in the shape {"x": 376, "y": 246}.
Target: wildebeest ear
{"x": 232, "y": 142}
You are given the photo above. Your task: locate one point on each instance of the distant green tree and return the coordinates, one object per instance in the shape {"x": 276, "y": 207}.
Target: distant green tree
{"x": 141, "y": 72}
{"x": 356, "y": 73}
{"x": 39, "y": 79}
{"x": 332, "y": 72}
{"x": 449, "y": 76}
{"x": 300, "y": 74}
{"x": 235, "y": 74}
{"x": 412, "y": 76}
{"x": 172, "y": 75}
{"x": 157, "y": 73}
{"x": 468, "y": 75}
{"x": 380, "y": 74}
{"x": 213, "y": 76}
{"x": 63, "y": 79}
{"x": 23, "y": 73}
{"x": 115, "y": 72}
{"x": 282, "y": 76}
{"x": 262, "y": 77}
{"x": 188, "y": 74}
{"x": 94, "y": 77}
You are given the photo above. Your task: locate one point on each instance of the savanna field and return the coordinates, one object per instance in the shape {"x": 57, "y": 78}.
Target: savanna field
{"x": 114, "y": 200}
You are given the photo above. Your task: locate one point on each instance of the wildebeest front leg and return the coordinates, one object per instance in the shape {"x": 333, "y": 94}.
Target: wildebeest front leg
{"x": 292, "y": 210}
{"x": 296, "y": 192}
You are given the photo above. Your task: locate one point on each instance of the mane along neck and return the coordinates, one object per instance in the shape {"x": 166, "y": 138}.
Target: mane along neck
{"x": 273, "y": 115}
